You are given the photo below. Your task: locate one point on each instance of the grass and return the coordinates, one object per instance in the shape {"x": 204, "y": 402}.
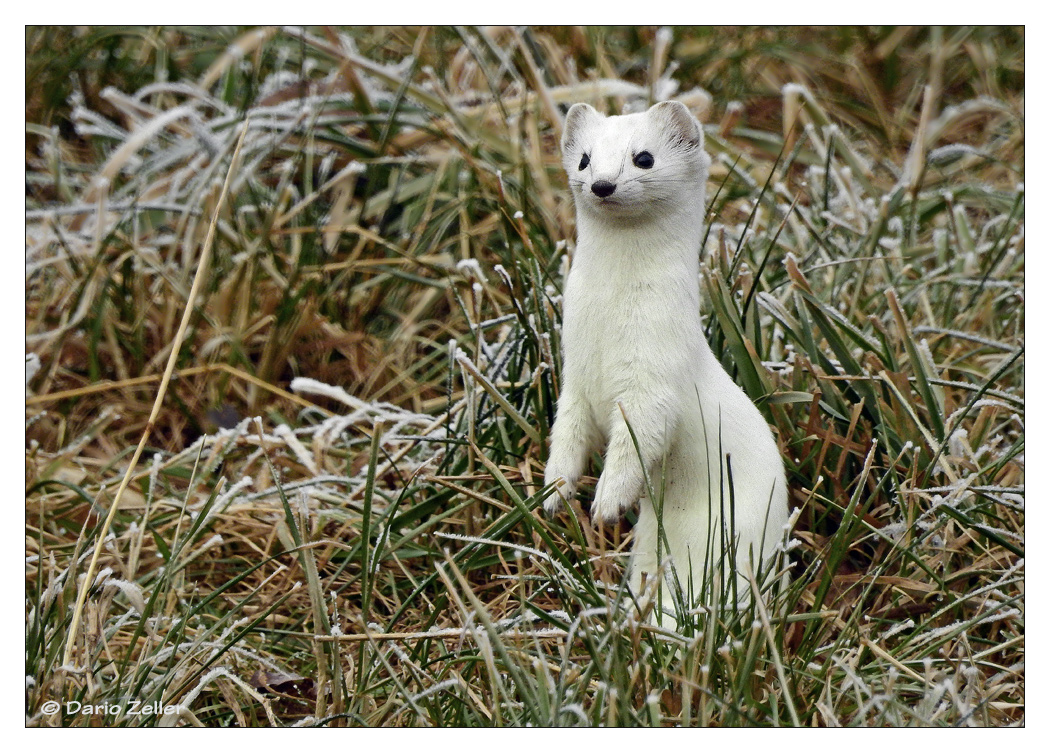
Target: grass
{"x": 336, "y": 519}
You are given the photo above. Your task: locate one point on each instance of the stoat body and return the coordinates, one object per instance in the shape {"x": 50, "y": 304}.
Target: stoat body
{"x": 636, "y": 362}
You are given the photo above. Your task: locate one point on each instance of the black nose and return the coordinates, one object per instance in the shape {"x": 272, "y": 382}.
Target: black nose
{"x": 603, "y": 188}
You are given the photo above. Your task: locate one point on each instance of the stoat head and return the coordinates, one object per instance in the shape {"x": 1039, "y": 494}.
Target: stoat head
{"x": 632, "y": 168}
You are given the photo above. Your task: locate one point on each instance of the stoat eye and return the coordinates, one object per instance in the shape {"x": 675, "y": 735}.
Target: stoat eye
{"x": 584, "y": 161}
{"x": 644, "y": 160}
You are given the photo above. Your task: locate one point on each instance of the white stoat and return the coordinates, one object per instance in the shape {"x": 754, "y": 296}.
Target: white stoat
{"x": 636, "y": 361}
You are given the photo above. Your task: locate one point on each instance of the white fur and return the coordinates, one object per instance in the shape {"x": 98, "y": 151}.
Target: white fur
{"x": 634, "y": 347}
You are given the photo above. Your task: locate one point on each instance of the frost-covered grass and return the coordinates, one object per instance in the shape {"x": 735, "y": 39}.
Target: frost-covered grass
{"x": 337, "y": 517}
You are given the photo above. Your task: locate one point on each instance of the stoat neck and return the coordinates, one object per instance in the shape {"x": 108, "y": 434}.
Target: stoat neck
{"x": 670, "y": 247}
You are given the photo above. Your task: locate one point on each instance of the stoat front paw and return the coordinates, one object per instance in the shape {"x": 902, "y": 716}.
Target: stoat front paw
{"x": 565, "y": 482}
{"x": 614, "y": 495}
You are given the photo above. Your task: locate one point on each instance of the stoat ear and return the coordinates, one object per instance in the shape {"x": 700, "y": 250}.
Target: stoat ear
{"x": 577, "y": 120}
{"x": 680, "y": 124}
